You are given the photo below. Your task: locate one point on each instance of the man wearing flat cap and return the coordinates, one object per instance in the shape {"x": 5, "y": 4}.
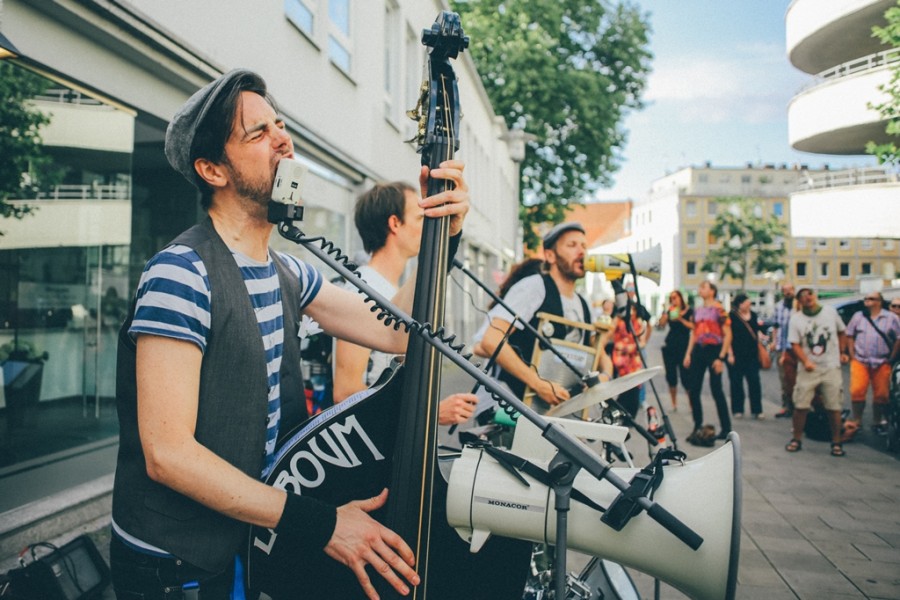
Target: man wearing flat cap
{"x": 553, "y": 292}
{"x": 206, "y": 356}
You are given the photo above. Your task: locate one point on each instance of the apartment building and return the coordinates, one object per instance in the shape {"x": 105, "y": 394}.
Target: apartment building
{"x": 681, "y": 210}
{"x": 343, "y": 75}
{"x": 832, "y": 41}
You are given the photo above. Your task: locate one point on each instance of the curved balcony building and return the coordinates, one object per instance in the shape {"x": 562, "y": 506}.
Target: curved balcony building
{"x": 832, "y": 41}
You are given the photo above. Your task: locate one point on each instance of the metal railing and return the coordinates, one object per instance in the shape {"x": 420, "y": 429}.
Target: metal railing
{"x": 93, "y": 191}
{"x": 67, "y": 96}
{"x": 848, "y": 177}
{"x": 852, "y": 67}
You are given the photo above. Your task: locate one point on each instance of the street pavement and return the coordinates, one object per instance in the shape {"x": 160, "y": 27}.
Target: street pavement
{"x": 814, "y": 527}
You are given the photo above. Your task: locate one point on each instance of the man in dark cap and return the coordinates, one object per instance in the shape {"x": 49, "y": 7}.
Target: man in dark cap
{"x": 207, "y": 355}
{"x": 553, "y": 292}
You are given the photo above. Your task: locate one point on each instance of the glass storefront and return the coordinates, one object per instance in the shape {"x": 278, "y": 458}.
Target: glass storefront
{"x": 68, "y": 268}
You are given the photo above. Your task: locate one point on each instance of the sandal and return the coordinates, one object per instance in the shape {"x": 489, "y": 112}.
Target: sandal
{"x": 837, "y": 449}
{"x": 794, "y": 446}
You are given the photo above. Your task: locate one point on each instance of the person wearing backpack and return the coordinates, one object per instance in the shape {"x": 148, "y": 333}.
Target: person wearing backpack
{"x": 876, "y": 344}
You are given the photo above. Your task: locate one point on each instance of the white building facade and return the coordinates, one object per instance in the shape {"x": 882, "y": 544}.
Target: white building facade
{"x": 832, "y": 41}
{"x": 343, "y": 74}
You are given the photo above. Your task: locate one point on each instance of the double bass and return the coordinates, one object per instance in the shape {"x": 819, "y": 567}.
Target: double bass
{"x": 387, "y": 436}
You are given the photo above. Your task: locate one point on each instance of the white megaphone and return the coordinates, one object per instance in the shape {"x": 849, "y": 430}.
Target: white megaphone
{"x": 646, "y": 263}
{"x": 704, "y": 494}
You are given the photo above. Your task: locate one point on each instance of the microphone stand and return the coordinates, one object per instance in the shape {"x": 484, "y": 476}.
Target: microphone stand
{"x": 572, "y": 456}
{"x": 667, "y": 424}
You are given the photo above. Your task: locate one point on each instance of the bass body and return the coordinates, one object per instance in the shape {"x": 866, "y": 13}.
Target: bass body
{"x": 345, "y": 454}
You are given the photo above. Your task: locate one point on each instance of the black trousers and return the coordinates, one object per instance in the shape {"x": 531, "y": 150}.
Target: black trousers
{"x": 737, "y": 373}
{"x": 140, "y": 576}
{"x": 702, "y": 358}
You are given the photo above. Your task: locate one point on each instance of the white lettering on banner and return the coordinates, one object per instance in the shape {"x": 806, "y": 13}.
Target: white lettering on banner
{"x": 350, "y": 425}
{"x": 346, "y": 459}
{"x": 266, "y": 547}
{"x": 343, "y": 456}
{"x": 338, "y": 439}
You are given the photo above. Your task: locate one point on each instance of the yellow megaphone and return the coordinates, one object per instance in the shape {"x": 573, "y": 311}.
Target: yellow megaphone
{"x": 615, "y": 266}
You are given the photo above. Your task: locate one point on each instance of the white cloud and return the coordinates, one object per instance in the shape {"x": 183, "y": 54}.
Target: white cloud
{"x": 751, "y": 84}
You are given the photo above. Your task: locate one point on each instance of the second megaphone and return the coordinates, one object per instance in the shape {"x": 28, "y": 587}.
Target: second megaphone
{"x": 615, "y": 266}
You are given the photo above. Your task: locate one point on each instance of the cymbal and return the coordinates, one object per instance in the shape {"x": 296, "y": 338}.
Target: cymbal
{"x": 603, "y": 391}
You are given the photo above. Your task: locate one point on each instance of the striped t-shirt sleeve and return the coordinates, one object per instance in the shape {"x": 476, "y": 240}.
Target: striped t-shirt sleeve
{"x": 310, "y": 279}
{"x": 173, "y": 297}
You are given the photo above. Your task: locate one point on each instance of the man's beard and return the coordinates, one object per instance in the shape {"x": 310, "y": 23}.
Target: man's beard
{"x": 258, "y": 191}
{"x": 568, "y": 269}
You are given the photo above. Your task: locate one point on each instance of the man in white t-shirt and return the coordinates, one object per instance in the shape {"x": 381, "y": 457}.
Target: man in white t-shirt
{"x": 816, "y": 335}
{"x": 553, "y": 292}
{"x": 389, "y": 222}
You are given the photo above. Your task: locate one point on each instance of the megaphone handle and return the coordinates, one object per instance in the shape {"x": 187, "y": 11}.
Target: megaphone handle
{"x": 678, "y": 529}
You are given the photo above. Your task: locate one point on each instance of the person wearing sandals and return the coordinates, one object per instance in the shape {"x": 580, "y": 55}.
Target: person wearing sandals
{"x": 816, "y": 334}
{"x": 744, "y": 342}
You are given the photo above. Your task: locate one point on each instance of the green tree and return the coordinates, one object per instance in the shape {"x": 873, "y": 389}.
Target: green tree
{"x": 748, "y": 240}
{"x": 565, "y": 71}
{"x": 888, "y": 153}
{"x": 25, "y": 164}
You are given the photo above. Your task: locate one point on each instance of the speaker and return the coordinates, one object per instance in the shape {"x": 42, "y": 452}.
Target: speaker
{"x": 614, "y": 266}
{"x": 704, "y": 494}
{"x": 75, "y": 571}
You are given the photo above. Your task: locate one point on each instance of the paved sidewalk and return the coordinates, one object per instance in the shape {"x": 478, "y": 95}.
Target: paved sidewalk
{"x": 814, "y": 526}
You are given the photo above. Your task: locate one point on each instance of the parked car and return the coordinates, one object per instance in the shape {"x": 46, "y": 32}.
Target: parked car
{"x": 847, "y": 306}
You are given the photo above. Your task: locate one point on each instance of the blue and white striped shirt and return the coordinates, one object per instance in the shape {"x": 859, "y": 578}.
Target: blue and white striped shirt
{"x": 173, "y": 300}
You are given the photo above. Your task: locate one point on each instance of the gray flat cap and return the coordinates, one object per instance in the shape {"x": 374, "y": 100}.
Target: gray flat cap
{"x": 181, "y": 130}
{"x": 552, "y": 236}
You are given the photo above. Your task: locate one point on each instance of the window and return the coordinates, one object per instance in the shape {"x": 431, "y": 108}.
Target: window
{"x": 821, "y": 244}
{"x": 801, "y": 268}
{"x": 391, "y": 58}
{"x": 865, "y": 268}
{"x": 778, "y": 209}
{"x": 711, "y": 239}
{"x": 691, "y": 238}
{"x": 690, "y": 208}
{"x": 865, "y": 244}
{"x": 691, "y": 267}
{"x": 844, "y": 244}
{"x": 823, "y": 269}
{"x": 887, "y": 245}
{"x": 745, "y": 179}
{"x": 301, "y": 14}
{"x": 712, "y": 207}
{"x": 800, "y": 243}
{"x": 339, "y": 47}
{"x": 702, "y": 178}
{"x": 844, "y": 270}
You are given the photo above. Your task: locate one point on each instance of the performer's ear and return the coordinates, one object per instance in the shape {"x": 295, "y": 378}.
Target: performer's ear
{"x": 212, "y": 173}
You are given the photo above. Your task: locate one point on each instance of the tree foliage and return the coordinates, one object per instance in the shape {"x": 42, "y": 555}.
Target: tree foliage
{"x": 888, "y": 152}
{"x": 748, "y": 241}
{"x": 565, "y": 71}
{"x": 24, "y": 160}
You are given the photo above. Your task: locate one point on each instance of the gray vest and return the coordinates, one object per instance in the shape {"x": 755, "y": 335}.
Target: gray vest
{"x": 232, "y": 413}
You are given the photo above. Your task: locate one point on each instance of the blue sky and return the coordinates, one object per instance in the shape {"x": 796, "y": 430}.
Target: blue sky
{"x": 719, "y": 91}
